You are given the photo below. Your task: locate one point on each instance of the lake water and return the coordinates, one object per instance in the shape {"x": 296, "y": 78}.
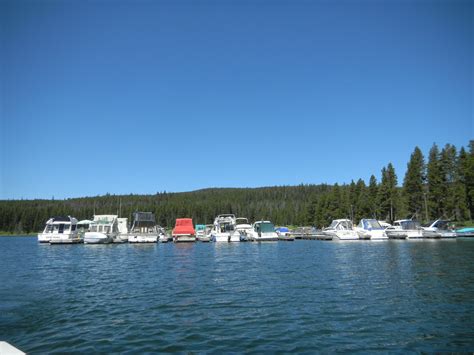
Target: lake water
{"x": 300, "y": 296}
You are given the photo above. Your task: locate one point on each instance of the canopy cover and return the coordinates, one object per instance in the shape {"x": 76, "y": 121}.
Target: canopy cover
{"x": 184, "y": 226}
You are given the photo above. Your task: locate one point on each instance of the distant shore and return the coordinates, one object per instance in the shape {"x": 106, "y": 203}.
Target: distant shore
{"x": 9, "y": 234}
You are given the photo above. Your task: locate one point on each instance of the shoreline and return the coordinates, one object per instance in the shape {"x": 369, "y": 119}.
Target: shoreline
{"x": 18, "y": 235}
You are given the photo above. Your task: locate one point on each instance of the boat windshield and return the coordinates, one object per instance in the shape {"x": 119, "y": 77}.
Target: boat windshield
{"x": 370, "y": 224}
{"x": 226, "y": 227}
{"x": 267, "y": 227}
{"x": 333, "y": 224}
{"x": 410, "y": 225}
{"x": 427, "y": 224}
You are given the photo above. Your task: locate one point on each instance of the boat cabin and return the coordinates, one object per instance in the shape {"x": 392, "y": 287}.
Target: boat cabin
{"x": 370, "y": 224}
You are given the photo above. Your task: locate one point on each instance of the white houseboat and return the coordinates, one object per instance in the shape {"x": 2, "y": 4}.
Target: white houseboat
{"x": 60, "y": 230}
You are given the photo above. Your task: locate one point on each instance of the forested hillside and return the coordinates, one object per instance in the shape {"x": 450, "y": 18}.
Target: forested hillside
{"x": 442, "y": 186}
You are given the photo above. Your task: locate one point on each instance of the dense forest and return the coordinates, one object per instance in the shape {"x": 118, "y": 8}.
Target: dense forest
{"x": 440, "y": 186}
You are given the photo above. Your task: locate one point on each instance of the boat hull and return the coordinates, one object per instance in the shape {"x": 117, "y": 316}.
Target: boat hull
{"x": 44, "y": 238}
{"x": 184, "y": 238}
{"x": 142, "y": 238}
{"x": 97, "y": 238}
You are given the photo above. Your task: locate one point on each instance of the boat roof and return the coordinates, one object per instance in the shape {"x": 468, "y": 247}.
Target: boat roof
{"x": 144, "y": 217}
{"x": 61, "y": 219}
{"x": 85, "y": 221}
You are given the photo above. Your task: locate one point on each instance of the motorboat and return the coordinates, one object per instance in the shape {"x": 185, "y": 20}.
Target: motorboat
{"x": 467, "y": 232}
{"x": 102, "y": 230}
{"x": 144, "y": 228}
{"x": 203, "y": 233}
{"x": 164, "y": 236}
{"x": 263, "y": 231}
{"x": 405, "y": 229}
{"x": 60, "y": 230}
{"x": 284, "y": 234}
{"x": 122, "y": 236}
{"x": 438, "y": 229}
{"x": 242, "y": 230}
{"x": 184, "y": 231}
{"x": 341, "y": 229}
{"x": 83, "y": 227}
{"x": 371, "y": 229}
{"x": 224, "y": 228}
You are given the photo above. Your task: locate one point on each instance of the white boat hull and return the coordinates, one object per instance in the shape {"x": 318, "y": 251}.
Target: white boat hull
{"x": 44, "y": 237}
{"x": 373, "y": 234}
{"x": 184, "y": 238}
{"x": 265, "y": 237}
{"x": 346, "y": 235}
{"x": 142, "y": 238}
{"x": 225, "y": 237}
{"x": 66, "y": 239}
{"x": 97, "y": 238}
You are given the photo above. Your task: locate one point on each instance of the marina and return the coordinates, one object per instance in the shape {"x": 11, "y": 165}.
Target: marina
{"x": 105, "y": 229}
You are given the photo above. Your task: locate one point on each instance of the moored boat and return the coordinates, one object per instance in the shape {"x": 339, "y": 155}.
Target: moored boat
{"x": 438, "y": 229}
{"x": 284, "y": 234}
{"x": 122, "y": 225}
{"x": 203, "y": 233}
{"x": 242, "y": 230}
{"x": 224, "y": 228}
{"x": 263, "y": 231}
{"x": 467, "y": 232}
{"x": 144, "y": 228}
{"x": 61, "y": 230}
{"x": 370, "y": 229}
{"x": 102, "y": 230}
{"x": 341, "y": 229}
{"x": 405, "y": 229}
{"x": 184, "y": 231}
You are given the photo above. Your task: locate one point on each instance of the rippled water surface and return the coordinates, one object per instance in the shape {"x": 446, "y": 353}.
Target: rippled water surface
{"x": 242, "y": 297}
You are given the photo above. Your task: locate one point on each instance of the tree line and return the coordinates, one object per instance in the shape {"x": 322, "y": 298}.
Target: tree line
{"x": 440, "y": 186}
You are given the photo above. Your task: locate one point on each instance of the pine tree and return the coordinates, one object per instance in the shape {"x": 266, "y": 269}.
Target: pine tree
{"x": 388, "y": 194}
{"x": 468, "y": 172}
{"x": 413, "y": 184}
{"x": 435, "y": 182}
{"x": 372, "y": 196}
{"x": 454, "y": 189}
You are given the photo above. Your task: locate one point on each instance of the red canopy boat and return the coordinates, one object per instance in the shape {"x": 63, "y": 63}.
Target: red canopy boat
{"x": 184, "y": 230}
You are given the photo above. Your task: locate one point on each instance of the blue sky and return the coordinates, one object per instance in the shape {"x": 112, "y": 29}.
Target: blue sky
{"x": 144, "y": 96}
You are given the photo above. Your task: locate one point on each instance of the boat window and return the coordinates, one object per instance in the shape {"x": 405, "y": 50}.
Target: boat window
{"x": 73, "y": 227}
{"x": 61, "y": 228}
{"x": 428, "y": 224}
{"x": 49, "y": 228}
{"x": 372, "y": 224}
{"x": 267, "y": 227}
{"x": 55, "y": 227}
{"x": 410, "y": 224}
{"x": 66, "y": 227}
{"x": 333, "y": 224}
{"x": 346, "y": 225}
